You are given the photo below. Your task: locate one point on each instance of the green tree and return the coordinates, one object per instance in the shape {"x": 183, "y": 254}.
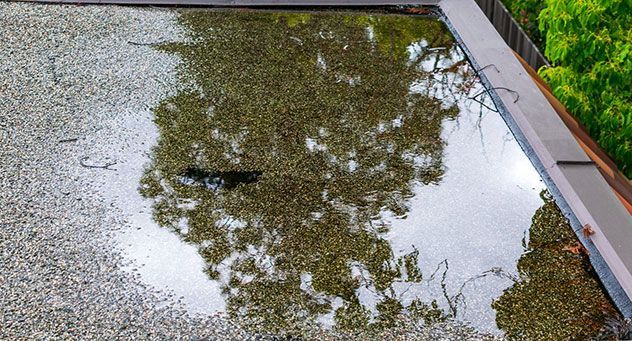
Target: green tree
{"x": 590, "y": 45}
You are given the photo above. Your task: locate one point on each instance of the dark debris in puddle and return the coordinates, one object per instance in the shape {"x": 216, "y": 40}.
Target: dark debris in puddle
{"x": 215, "y": 180}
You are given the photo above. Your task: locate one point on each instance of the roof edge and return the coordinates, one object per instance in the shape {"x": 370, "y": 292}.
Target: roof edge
{"x": 581, "y": 192}
{"x": 247, "y": 3}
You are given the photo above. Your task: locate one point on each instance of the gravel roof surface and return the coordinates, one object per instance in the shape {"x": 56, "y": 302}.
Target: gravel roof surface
{"x": 75, "y": 94}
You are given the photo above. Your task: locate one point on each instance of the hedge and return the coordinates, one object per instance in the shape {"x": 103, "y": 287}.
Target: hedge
{"x": 589, "y": 44}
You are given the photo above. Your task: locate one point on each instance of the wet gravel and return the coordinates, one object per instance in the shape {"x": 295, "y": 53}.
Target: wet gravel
{"x": 75, "y": 93}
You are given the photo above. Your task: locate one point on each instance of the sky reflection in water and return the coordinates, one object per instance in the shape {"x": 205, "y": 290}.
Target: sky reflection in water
{"x": 331, "y": 168}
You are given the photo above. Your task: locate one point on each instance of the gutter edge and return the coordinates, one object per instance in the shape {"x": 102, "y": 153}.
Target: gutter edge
{"x": 564, "y": 177}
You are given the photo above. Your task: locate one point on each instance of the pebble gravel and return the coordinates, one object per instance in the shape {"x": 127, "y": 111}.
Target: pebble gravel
{"x": 75, "y": 95}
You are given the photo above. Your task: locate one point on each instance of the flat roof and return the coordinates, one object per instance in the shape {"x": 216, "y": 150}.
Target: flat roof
{"x": 582, "y": 193}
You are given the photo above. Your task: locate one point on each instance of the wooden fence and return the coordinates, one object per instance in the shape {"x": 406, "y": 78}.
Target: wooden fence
{"x": 512, "y": 33}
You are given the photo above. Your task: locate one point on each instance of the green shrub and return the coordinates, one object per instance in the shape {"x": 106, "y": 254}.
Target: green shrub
{"x": 590, "y": 45}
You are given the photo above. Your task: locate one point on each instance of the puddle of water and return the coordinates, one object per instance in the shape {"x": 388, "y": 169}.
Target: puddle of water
{"x": 158, "y": 255}
{"x": 166, "y": 263}
{"x": 471, "y": 224}
{"x": 330, "y": 169}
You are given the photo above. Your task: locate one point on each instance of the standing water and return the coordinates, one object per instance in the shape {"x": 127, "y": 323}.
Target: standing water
{"x": 344, "y": 171}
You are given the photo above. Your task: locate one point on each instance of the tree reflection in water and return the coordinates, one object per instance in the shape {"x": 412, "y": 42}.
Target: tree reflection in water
{"x": 558, "y": 295}
{"x": 296, "y": 135}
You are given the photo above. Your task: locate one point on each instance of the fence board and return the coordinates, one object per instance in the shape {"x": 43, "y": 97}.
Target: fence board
{"x": 512, "y": 33}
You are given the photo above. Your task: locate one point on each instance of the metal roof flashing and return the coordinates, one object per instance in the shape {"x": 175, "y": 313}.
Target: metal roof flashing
{"x": 572, "y": 178}
{"x": 248, "y": 3}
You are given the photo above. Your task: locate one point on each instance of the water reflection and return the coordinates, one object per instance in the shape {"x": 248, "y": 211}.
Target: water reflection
{"x": 313, "y": 119}
{"x": 297, "y": 150}
{"x": 558, "y": 295}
